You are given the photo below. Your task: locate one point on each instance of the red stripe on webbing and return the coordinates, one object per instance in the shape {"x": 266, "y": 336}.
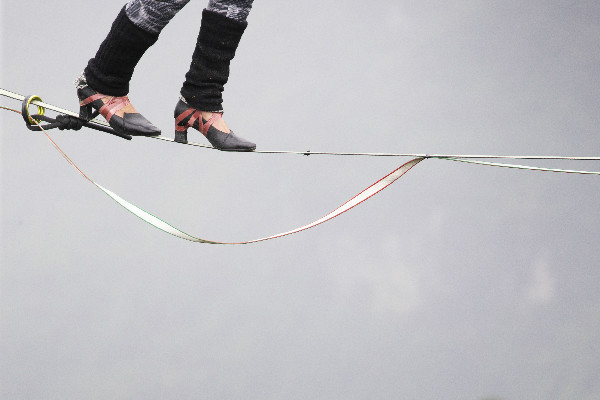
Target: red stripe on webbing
{"x": 63, "y": 153}
{"x": 392, "y": 177}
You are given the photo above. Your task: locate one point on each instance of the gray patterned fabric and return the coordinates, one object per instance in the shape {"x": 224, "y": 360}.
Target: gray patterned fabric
{"x": 235, "y": 9}
{"x": 153, "y": 15}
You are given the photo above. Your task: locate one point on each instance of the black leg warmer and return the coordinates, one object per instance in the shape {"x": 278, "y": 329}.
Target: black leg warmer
{"x": 110, "y": 71}
{"x": 209, "y": 71}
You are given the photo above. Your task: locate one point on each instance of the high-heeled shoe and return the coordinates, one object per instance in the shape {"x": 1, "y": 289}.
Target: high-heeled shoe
{"x": 189, "y": 117}
{"x": 128, "y": 122}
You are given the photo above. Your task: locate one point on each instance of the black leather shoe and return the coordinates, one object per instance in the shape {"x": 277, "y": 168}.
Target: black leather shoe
{"x": 189, "y": 117}
{"x": 91, "y": 104}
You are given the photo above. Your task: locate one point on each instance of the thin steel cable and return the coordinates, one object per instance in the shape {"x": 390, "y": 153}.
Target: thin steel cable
{"x": 19, "y": 97}
{"x": 526, "y": 167}
{"x": 440, "y": 156}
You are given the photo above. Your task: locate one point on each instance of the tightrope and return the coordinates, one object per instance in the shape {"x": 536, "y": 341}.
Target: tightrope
{"x": 440, "y": 156}
{"x": 454, "y": 157}
{"x": 353, "y": 202}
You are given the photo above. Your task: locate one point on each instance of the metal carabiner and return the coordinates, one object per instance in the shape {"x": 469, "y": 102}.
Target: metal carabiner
{"x": 25, "y": 109}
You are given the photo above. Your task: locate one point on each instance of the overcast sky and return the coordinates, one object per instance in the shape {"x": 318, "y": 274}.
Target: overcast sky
{"x": 458, "y": 282}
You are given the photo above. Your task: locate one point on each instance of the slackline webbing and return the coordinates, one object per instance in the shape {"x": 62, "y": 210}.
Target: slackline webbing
{"x": 353, "y": 202}
{"x": 168, "y": 228}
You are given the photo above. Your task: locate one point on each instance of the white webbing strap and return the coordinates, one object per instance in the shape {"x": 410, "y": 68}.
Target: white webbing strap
{"x": 166, "y": 227}
{"x": 359, "y": 198}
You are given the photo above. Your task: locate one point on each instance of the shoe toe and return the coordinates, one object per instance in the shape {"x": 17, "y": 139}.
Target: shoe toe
{"x": 238, "y": 143}
{"x": 228, "y": 142}
{"x": 138, "y": 125}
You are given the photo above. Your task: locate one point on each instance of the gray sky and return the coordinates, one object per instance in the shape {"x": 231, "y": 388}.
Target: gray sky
{"x": 458, "y": 282}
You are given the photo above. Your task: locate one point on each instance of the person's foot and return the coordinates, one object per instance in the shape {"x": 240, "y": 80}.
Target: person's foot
{"x": 218, "y": 121}
{"x": 211, "y": 125}
{"x": 120, "y": 114}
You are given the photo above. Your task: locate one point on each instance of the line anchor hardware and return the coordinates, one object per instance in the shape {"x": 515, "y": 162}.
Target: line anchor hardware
{"x": 61, "y": 121}
{"x": 25, "y": 110}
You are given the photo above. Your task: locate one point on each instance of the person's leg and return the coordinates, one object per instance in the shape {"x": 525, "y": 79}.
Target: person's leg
{"x": 223, "y": 24}
{"x": 104, "y": 84}
{"x": 153, "y": 15}
{"x": 235, "y": 9}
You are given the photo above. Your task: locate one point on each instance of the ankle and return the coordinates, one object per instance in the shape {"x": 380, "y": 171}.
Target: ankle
{"x": 217, "y": 122}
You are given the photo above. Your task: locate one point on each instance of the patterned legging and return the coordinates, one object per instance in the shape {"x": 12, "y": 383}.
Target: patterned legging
{"x": 153, "y": 15}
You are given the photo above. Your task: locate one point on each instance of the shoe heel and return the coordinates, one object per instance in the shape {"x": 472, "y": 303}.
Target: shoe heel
{"x": 181, "y": 137}
{"x": 180, "y": 134}
{"x": 86, "y": 112}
